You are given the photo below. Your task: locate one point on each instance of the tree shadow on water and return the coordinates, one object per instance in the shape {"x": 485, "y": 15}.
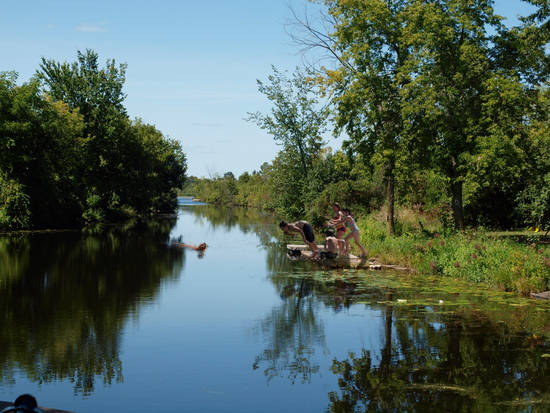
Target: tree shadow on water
{"x": 291, "y": 332}
{"x": 448, "y": 363}
{"x": 65, "y": 298}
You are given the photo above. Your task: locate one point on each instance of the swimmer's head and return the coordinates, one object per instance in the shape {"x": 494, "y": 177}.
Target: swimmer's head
{"x": 284, "y": 226}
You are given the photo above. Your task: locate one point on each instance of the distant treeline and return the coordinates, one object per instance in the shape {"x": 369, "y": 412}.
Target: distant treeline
{"x": 444, "y": 109}
{"x": 69, "y": 153}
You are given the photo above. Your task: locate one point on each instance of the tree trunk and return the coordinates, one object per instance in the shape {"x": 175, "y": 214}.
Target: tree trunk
{"x": 385, "y": 361}
{"x": 458, "y": 210}
{"x": 390, "y": 179}
{"x": 302, "y": 156}
{"x": 454, "y": 357}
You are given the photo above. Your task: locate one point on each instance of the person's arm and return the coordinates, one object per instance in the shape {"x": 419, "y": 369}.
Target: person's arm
{"x": 338, "y": 221}
{"x": 296, "y": 228}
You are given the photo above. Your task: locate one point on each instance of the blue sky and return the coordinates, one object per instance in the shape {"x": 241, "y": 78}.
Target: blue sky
{"x": 192, "y": 65}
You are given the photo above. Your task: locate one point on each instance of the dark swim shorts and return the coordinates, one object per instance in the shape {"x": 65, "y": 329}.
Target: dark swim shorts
{"x": 308, "y": 233}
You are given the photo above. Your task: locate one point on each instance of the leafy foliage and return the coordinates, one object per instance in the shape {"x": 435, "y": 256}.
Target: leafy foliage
{"x": 296, "y": 121}
{"x": 70, "y": 154}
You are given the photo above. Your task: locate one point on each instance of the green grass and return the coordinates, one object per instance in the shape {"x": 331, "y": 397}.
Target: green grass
{"x": 475, "y": 256}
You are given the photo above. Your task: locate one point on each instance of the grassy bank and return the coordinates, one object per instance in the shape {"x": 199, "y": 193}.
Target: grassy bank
{"x": 476, "y": 256}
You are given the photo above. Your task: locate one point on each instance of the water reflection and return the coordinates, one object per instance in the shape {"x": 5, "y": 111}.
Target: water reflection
{"x": 292, "y": 332}
{"x": 246, "y": 220}
{"x": 451, "y": 358}
{"x": 465, "y": 355}
{"x": 262, "y": 224}
{"x": 65, "y": 297}
{"x": 454, "y": 363}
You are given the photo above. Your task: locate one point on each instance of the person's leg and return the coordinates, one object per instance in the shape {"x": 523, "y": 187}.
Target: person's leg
{"x": 313, "y": 247}
{"x": 348, "y": 244}
{"x": 341, "y": 247}
{"x": 310, "y": 238}
{"x": 340, "y": 233}
{"x": 357, "y": 238}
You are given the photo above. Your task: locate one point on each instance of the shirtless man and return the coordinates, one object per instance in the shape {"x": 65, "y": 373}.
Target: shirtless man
{"x": 335, "y": 247}
{"x": 303, "y": 228}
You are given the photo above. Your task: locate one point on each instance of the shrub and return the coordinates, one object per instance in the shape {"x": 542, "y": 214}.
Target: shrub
{"x": 15, "y": 205}
{"x": 472, "y": 256}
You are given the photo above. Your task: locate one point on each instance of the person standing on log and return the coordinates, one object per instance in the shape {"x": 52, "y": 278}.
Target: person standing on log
{"x": 337, "y": 221}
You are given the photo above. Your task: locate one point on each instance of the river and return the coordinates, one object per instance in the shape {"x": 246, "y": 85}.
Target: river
{"x": 114, "y": 318}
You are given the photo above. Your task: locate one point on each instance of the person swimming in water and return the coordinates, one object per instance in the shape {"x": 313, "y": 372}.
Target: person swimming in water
{"x": 303, "y": 228}
{"x": 199, "y": 248}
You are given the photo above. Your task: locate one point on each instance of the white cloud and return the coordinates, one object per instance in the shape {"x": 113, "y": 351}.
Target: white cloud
{"x": 91, "y": 28}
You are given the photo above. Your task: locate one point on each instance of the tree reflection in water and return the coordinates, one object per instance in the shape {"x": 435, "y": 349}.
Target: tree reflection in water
{"x": 455, "y": 358}
{"x": 291, "y": 330}
{"x": 65, "y": 297}
{"x": 292, "y": 333}
{"x": 459, "y": 361}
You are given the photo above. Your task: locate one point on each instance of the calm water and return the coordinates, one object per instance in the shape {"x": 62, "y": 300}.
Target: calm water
{"x": 114, "y": 319}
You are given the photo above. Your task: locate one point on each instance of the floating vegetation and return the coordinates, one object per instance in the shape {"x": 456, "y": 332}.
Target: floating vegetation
{"x": 441, "y": 296}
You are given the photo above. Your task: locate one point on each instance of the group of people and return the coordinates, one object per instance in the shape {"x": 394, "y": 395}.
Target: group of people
{"x": 336, "y": 241}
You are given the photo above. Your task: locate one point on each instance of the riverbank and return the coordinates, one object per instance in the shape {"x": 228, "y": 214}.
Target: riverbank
{"x": 513, "y": 261}
{"x": 127, "y": 222}
{"x": 476, "y": 255}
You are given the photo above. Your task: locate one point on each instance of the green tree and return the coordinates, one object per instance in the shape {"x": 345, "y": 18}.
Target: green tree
{"x": 465, "y": 97}
{"x": 98, "y": 95}
{"x": 40, "y": 157}
{"x": 365, "y": 39}
{"x": 296, "y": 121}
{"x": 128, "y": 167}
{"x": 154, "y": 169}
{"x": 534, "y": 200}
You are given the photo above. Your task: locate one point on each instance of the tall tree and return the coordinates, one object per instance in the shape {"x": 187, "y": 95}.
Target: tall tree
{"x": 365, "y": 38}
{"x": 129, "y": 166}
{"x": 442, "y": 83}
{"x": 98, "y": 94}
{"x": 40, "y": 157}
{"x": 296, "y": 120}
{"x": 469, "y": 84}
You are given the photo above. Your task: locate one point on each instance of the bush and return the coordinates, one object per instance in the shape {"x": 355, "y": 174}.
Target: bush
{"x": 472, "y": 256}
{"x": 15, "y": 212}
{"x": 93, "y": 211}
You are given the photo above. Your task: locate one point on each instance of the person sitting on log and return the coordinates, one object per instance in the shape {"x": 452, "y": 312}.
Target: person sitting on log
{"x": 334, "y": 246}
